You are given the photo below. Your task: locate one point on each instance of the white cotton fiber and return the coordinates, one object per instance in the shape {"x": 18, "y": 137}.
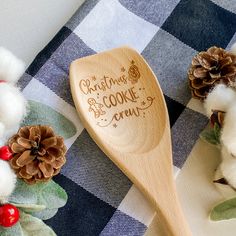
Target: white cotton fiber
{"x": 228, "y": 167}
{"x": 12, "y": 103}
{"x": 11, "y": 68}
{"x": 228, "y": 135}
{"x": 12, "y": 106}
{"x": 12, "y": 111}
{"x": 2, "y": 130}
{"x": 7, "y": 180}
{"x": 220, "y": 98}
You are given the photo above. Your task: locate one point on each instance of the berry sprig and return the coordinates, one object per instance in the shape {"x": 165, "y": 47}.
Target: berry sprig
{"x": 9, "y": 215}
{"x": 5, "y": 153}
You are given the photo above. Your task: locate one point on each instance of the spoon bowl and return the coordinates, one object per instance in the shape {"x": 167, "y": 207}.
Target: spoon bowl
{"x": 121, "y": 105}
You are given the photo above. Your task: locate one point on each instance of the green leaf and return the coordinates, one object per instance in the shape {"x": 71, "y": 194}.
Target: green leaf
{"x": 45, "y": 214}
{"x": 53, "y": 195}
{"x": 210, "y": 135}
{"x": 11, "y": 231}
{"x": 30, "y": 208}
{"x": 45, "y": 196}
{"x": 24, "y": 193}
{"x": 40, "y": 113}
{"x": 224, "y": 211}
{"x": 217, "y": 132}
{"x": 40, "y": 200}
{"x": 28, "y": 225}
{"x": 33, "y": 226}
{"x": 38, "y": 211}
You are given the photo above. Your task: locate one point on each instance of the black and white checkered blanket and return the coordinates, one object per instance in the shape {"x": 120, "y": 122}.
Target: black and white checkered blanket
{"x": 168, "y": 33}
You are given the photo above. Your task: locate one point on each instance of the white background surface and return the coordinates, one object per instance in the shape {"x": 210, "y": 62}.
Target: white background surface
{"x": 26, "y": 26}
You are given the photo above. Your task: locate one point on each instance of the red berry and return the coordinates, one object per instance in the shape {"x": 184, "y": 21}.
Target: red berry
{"x": 9, "y": 215}
{"x": 5, "y": 153}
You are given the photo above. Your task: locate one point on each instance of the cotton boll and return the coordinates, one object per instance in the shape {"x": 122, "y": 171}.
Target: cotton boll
{"x": 11, "y": 68}
{"x": 228, "y": 167}
{"x": 226, "y": 190}
{"x": 233, "y": 49}
{"x": 2, "y": 129}
{"x": 7, "y": 133}
{"x": 12, "y": 106}
{"x": 7, "y": 180}
{"x": 219, "y": 99}
{"x": 225, "y": 155}
{"x": 228, "y": 135}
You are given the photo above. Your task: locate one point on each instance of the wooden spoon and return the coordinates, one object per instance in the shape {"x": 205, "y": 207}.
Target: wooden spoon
{"x": 122, "y": 107}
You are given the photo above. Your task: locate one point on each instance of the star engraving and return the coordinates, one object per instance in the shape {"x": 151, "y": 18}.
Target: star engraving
{"x": 122, "y": 69}
{"x": 143, "y": 103}
{"x": 94, "y": 78}
{"x": 114, "y": 125}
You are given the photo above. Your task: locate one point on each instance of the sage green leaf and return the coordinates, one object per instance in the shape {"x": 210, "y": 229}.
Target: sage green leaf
{"x": 32, "y": 226}
{"x": 48, "y": 194}
{"x": 210, "y": 135}
{"x": 38, "y": 211}
{"x": 53, "y": 195}
{"x": 40, "y": 113}
{"x": 15, "y": 230}
{"x": 224, "y": 211}
{"x": 30, "y": 208}
{"x": 24, "y": 193}
{"x": 45, "y": 214}
{"x": 217, "y": 132}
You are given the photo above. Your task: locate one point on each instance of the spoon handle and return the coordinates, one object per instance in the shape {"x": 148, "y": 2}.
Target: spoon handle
{"x": 174, "y": 219}
{"x": 171, "y": 214}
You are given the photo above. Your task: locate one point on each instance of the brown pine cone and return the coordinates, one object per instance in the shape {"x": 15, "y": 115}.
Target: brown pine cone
{"x": 38, "y": 154}
{"x": 216, "y": 65}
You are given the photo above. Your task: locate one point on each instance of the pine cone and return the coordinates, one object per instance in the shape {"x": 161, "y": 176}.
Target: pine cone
{"x": 209, "y": 68}
{"x": 38, "y": 154}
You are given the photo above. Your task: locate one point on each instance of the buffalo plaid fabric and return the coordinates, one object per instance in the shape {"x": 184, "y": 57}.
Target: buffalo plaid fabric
{"x": 168, "y": 33}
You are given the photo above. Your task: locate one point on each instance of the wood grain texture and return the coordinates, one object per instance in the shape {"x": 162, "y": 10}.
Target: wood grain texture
{"x": 155, "y": 228}
{"x": 122, "y": 106}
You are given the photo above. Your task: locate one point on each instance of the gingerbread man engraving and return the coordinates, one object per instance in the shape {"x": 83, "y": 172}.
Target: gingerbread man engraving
{"x": 95, "y": 107}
